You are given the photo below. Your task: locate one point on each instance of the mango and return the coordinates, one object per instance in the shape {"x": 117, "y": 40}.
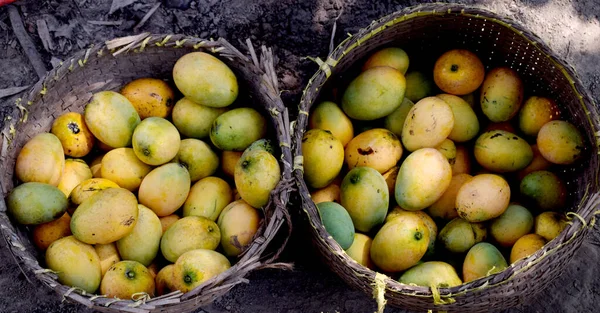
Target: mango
{"x": 445, "y": 206}
{"x": 96, "y": 166}
{"x": 261, "y": 144}
{"x": 155, "y": 141}
{"x": 142, "y": 243}
{"x": 393, "y": 57}
{"x": 394, "y": 122}
{"x": 526, "y": 246}
{"x": 544, "y": 190}
{"x": 323, "y": 157}
{"x": 337, "y": 222}
{"x": 165, "y": 188}
{"x": 466, "y": 124}
{"x": 377, "y": 148}
{"x": 429, "y": 222}
{"x": 197, "y": 266}
{"x": 150, "y": 97}
{"x": 194, "y": 120}
{"x": 164, "y": 280}
{"x": 567, "y": 149}
{"x": 108, "y": 254}
{"x": 328, "y": 116}
{"x": 482, "y": 198}
{"x": 115, "y": 207}
{"x": 237, "y": 129}
{"x": 123, "y": 167}
{"x": 364, "y": 194}
{"x": 448, "y": 149}
{"x": 75, "y": 262}
{"x": 423, "y": 178}
{"x": 501, "y": 94}
{"x": 111, "y": 118}
{"x": 459, "y": 235}
{"x": 390, "y": 178}
{"x": 189, "y": 233}
{"x": 482, "y": 260}
{"x": 538, "y": 163}
{"x": 74, "y": 135}
{"x": 126, "y": 278}
{"x": 331, "y": 193}
{"x": 229, "y": 160}
{"x": 458, "y": 72}
{"x": 360, "y": 250}
{"x": 206, "y": 80}
{"x": 535, "y": 113}
{"x": 431, "y": 274}
{"x": 239, "y": 222}
{"x": 87, "y": 188}
{"x": 513, "y": 224}
{"x": 374, "y": 93}
{"x": 168, "y": 221}
{"x": 45, "y": 234}
{"x": 462, "y": 162}
{"x": 257, "y": 173}
{"x": 419, "y": 86}
{"x": 500, "y": 151}
{"x": 75, "y": 172}
{"x": 198, "y": 158}
{"x": 549, "y": 224}
{"x": 207, "y": 198}
{"x": 400, "y": 243}
{"x": 36, "y": 203}
{"x": 428, "y": 124}
{"x": 41, "y": 160}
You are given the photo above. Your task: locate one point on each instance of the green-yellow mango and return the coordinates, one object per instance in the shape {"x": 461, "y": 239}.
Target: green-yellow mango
{"x": 428, "y": 124}
{"x": 165, "y": 188}
{"x": 466, "y": 124}
{"x": 328, "y": 116}
{"x": 76, "y": 263}
{"x": 197, "y": 266}
{"x": 360, "y": 250}
{"x": 526, "y": 246}
{"x": 155, "y": 141}
{"x": 483, "y": 259}
{"x": 257, "y": 173}
{"x": 142, "y": 243}
{"x": 238, "y": 223}
{"x": 377, "y": 148}
{"x": 76, "y": 171}
{"x": 237, "y": 129}
{"x": 459, "y": 235}
{"x": 549, "y": 224}
{"x": 261, "y": 144}
{"x": 126, "y": 278}
{"x": 194, "y": 120}
{"x": 535, "y": 113}
{"x": 429, "y": 222}
{"x": 123, "y": 167}
{"x": 41, "y": 160}
{"x": 106, "y": 216}
{"x": 364, "y": 194}
{"x": 501, "y": 94}
{"x": 483, "y": 197}
{"x": 205, "y": 79}
{"x": 374, "y": 94}
{"x": 198, "y": 158}
{"x": 207, "y": 198}
{"x": 545, "y": 190}
{"x": 323, "y": 157}
{"x": 423, "y": 178}
{"x": 189, "y": 233}
{"x": 432, "y": 273}
{"x": 111, "y": 118}
{"x": 565, "y": 151}
{"x": 394, "y": 122}
{"x": 36, "y": 203}
{"x": 108, "y": 254}
{"x": 419, "y": 86}
{"x": 448, "y": 149}
{"x": 500, "y": 151}
{"x": 87, "y": 188}
{"x": 513, "y": 224}
{"x": 393, "y": 57}
{"x": 445, "y": 206}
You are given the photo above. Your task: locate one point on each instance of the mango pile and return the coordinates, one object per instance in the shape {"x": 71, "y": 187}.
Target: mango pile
{"x": 438, "y": 177}
{"x": 141, "y": 194}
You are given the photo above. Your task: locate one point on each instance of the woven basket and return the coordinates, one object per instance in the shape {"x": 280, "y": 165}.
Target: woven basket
{"x": 425, "y": 32}
{"x": 108, "y": 67}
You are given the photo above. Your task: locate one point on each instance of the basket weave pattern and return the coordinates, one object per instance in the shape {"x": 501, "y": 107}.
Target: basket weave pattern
{"x": 426, "y": 31}
{"x": 108, "y": 67}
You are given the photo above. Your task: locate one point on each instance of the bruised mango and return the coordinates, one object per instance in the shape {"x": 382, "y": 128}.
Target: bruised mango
{"x": 376, "y": 148}
{"x": 189, "y": 233}
{"x": 122, "y": 166}
{"x": 257, "y": 173}
{"x": 105, "y": 217}
{"x": 142, "y": 243}
{"x": 155, "y": 141}
{"x": 74, "y": 135}
{"x": 207, "y": 198}
{"x": 364, "y": 194}
{"x": 36, "y": 203}
{"x": 374, "y": 93}
{"x": 323, "y": 157}
{"x": 328, "y": 116}
{"x": 165, "y": 188}
{"x": 238, "y": 223}
{"x": 150, "y": 97}
{"x": 501, "y": 94}
{"x": 76, "y": 263}
{"x": 111, "y": 118}
{"x": 41, "y": 160}
{"x": 500, "y": 151}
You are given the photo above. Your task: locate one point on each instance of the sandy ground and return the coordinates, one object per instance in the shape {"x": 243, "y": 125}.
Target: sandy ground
{"x": 295, "y": 29}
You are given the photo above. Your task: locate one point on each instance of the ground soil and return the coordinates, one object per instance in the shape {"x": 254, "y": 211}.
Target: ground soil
{"x": 294, "y": 29}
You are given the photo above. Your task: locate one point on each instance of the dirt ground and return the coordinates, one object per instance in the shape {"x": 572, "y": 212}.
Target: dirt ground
{"x": 295, "y": 29}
